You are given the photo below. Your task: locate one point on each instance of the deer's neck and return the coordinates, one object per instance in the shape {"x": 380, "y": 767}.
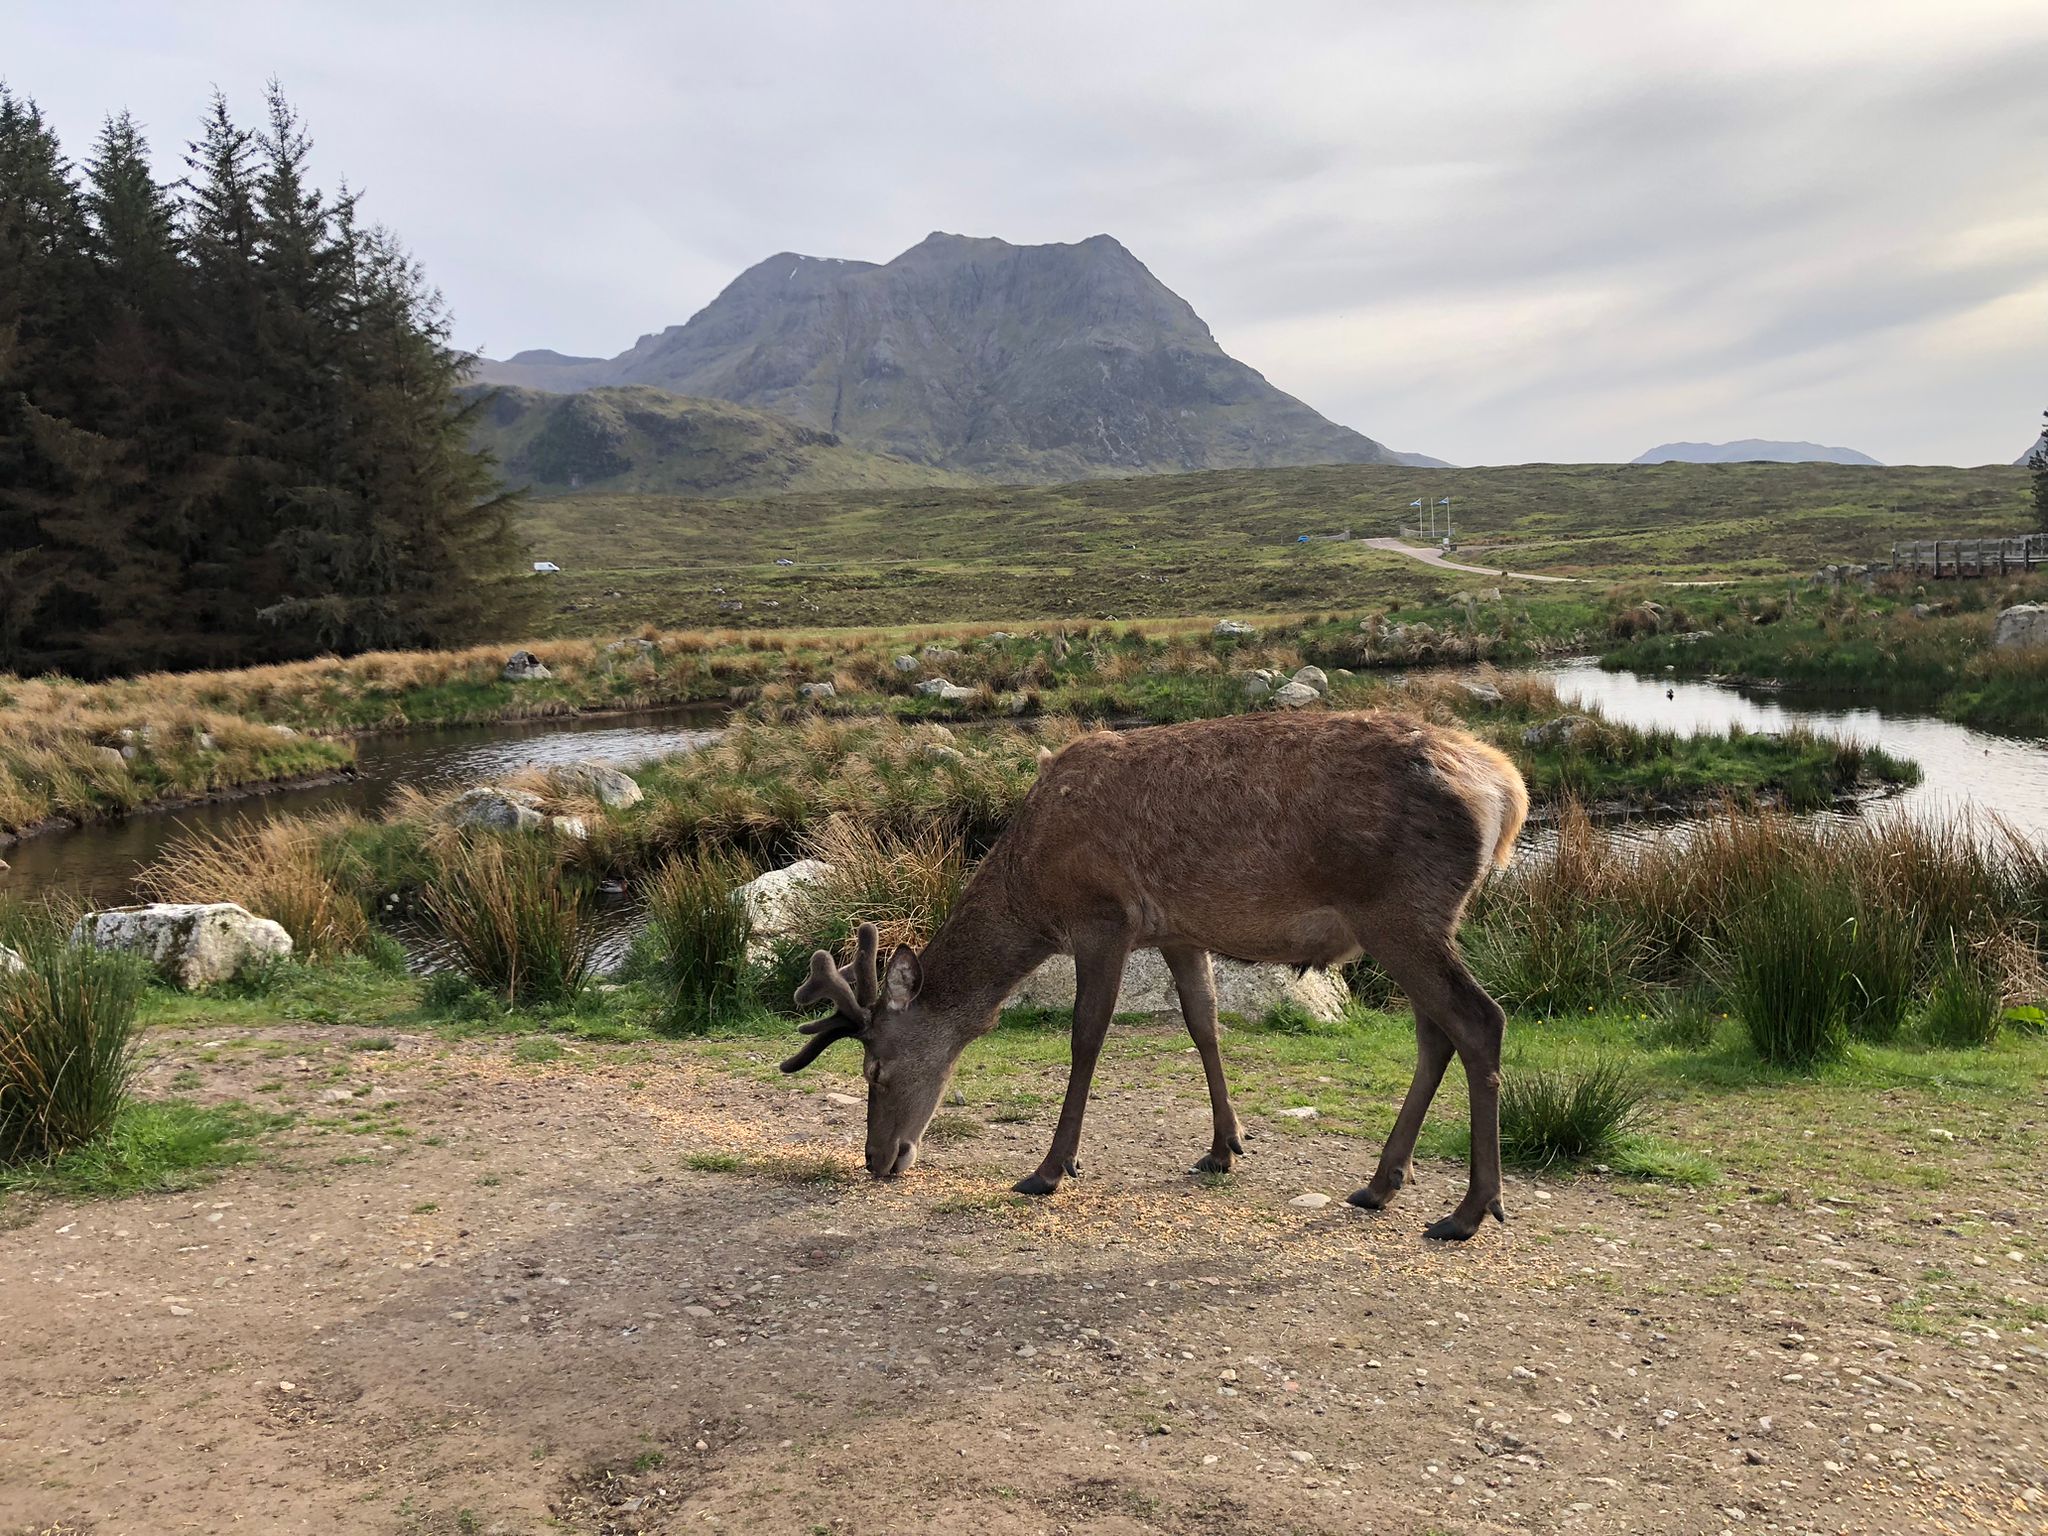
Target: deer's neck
{"x": 977, "y": 958}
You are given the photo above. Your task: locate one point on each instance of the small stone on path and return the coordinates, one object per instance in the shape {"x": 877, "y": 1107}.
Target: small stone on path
{"x": 1310, "y": 1200}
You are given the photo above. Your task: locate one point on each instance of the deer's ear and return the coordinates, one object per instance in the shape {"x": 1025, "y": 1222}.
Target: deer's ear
{"x": 905, "y": 979}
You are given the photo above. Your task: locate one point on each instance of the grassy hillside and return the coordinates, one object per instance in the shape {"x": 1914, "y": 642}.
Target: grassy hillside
{"x": 646, "y": 440}
{"x": 1224, "y": 541}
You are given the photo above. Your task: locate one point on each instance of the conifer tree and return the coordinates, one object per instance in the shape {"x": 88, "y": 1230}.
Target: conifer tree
{"x": 231, "y": 422}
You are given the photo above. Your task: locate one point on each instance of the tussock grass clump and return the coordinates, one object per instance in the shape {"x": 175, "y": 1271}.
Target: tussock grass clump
{"x": 1789, "y": 957}
{"x": 510, "y": 916}
{"x": 1965, "y": 1004}
{"x": 289, "y": 870}
{"x": 905, "y": 886}
{"x": 67, "y": 1045}
{"x": 1551, "y": 1117}
{"x": 695, "y": 947}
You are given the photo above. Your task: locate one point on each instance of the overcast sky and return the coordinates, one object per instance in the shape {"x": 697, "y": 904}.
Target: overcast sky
{"x": 1493, "y": 232}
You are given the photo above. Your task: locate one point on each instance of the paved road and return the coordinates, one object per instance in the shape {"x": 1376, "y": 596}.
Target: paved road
{"x": 1436, "y": 557}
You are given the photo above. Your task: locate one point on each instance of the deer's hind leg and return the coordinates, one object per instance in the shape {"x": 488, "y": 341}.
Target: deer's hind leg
{"x": 1451, "y": 1005}
{"x": 1433, "y": 1054}
{"x": 1194, "y": 979}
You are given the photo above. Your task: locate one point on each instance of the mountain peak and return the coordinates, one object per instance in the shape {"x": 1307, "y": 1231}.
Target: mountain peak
{"x": 972, "y": 354}
{"x": 1751, "y": 450}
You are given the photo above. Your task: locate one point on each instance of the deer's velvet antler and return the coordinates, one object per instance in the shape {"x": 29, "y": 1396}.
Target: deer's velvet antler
{"x": 852, "y": 990}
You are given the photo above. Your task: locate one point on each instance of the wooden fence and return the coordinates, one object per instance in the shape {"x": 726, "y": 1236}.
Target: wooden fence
{"x": 1973, "y": 557}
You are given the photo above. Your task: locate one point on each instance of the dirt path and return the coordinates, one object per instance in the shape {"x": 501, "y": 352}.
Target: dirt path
{"x": 1437, "y": 558}
{"x": 462, "y": 1295}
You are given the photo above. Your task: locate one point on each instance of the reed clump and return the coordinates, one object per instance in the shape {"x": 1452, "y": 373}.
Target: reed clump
{"x": 695, "y": 947}
{"x": 300, "y": 873}
{"x": 67, "y": 1044}
{"x": 510, "y": 915}
{"x": 1812, "y": 933}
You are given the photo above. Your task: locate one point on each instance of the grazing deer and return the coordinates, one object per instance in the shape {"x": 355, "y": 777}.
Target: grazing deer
{"x": 1297, "y": 839}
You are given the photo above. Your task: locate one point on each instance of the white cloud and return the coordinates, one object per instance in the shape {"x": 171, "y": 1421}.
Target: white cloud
{"x": 1488, "y": 232}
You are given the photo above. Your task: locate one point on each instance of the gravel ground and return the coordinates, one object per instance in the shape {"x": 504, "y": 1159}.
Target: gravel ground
{"x": 465, "y": 1295}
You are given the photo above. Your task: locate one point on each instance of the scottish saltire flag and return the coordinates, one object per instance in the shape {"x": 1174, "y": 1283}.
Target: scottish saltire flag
{"x": 1414, "y": 503}
{"x": 1444, "y": 501}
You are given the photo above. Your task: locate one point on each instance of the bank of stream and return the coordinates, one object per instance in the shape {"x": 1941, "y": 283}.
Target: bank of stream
{"x": 1964, "y": 771}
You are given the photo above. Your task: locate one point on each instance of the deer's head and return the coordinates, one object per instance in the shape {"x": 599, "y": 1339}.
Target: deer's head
{"x": 907, "y": 1063}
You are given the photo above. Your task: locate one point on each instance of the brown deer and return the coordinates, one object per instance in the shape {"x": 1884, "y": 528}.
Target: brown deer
{"x": 1297, "y": 839}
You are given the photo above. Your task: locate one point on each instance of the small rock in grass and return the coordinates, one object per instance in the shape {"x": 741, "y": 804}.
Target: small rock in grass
{"x": 1299, "y": 1112}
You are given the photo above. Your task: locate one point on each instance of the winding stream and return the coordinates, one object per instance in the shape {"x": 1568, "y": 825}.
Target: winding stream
{"x": 98, "y": 863}
{"x": 1964, "y": 770}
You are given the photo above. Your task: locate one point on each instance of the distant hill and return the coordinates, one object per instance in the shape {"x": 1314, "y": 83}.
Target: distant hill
{"x": 647, "y": 440}
{"x": 2040, "y": 444}
{"x": 1751, "y": 450}
{"x": 1004, "y": 362}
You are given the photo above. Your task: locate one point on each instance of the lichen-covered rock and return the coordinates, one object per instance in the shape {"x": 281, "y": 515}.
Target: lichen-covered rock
{"x": 818, "y": 691}
{"x": 1313, "y": 677}
{"x": 191, "y": 944}
{"x": 770, "y": 900}
{"x": 1292, "y": 695}
{"x": 949, "y": 693}
{"x": 607, "y": 785}
{"x": 1564, "y": 730}
{"x": 1484, "y": 693}
{"x": 1256, "y": 687}
{"x": 906, "y": 664}
{"x": 1249, "y": 991}
{"x": 525, "y": 667}
{"x": 498, "y": 810}
{"x": 1232, "y": 629}
{"x": 2023, "y": 626}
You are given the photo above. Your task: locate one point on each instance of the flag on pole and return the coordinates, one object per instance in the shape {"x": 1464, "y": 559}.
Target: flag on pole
{"x": 1444, "y": 501}
{"x": 1414, "y": 503}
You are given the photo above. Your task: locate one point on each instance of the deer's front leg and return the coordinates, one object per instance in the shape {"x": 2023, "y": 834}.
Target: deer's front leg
{"x": 1098, "y": 976}
{"x": 1194, "y": 979}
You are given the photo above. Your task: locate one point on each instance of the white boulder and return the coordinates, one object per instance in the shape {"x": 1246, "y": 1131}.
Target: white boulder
{"x": 496, "y": 810}
{"x": 770, "y": 901}
{"x": 1313, "y": 677}
{"x": 1484, "y": 693}
{"x": 1246, "y": 990}
{"x": 602, "y": 782}
{"x": 191, "y": 944}
{"x": 818, "y": 691}
{"x": 946, "y": 692}
{"x": 1292, "y": 695}
{"x": 2022, "y": 626}
{"x": 1232, "y": 629}
{"x": 905, "y": 664}
{"x": 525, "y": 667}
{"x": 10, "y": 961}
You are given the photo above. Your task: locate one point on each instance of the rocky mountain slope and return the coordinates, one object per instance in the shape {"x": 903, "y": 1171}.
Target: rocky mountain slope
{"x": 1751, "y": 450}
{"x": 633, "y": 438}
{"x": 1004, "y": 362}
{"x": 2040, "y": 445}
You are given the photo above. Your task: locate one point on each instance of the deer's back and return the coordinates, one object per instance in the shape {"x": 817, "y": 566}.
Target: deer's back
{"x": 1226, "y": 832}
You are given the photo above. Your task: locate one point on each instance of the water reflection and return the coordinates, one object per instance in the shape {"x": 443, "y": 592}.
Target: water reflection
{"x": 99, "y": 863}
{"x": 1962, "y": 771}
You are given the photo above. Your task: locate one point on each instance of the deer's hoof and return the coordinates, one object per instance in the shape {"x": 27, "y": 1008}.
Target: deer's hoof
{"x": 1367, "y": 1199}
{"x": 1212, "y": 1162}
{"x": 1454, "y": 1228}
{"x": 1035, "y": 1184}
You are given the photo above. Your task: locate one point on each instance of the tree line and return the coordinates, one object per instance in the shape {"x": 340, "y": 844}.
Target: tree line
{"x": 229, "y": 426}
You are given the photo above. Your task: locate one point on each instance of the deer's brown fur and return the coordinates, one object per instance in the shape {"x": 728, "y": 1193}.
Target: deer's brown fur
{"x": 1300, "y": 839}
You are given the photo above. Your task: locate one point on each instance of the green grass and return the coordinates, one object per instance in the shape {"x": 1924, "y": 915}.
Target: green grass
{"x": 1869, "y": 643}
{"x": 151, "y": 1147}
{"x": 1224, "y": 541}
